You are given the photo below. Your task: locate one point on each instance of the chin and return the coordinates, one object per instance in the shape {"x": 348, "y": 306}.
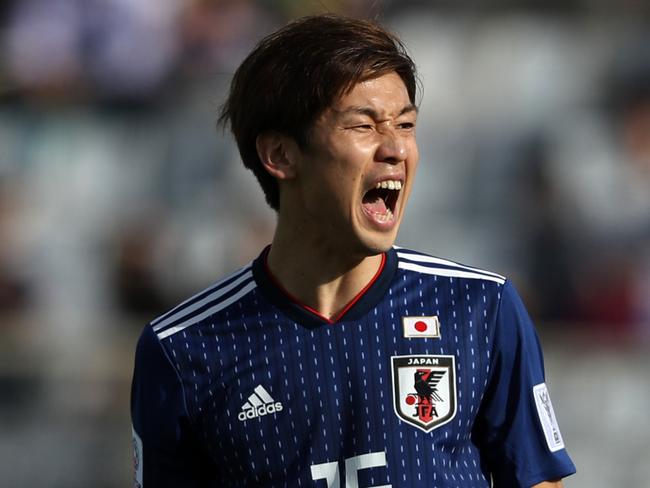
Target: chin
{"x": 374, "y": 237}
{"x": 377, "y": 244}
{"x": 365, "y": 239}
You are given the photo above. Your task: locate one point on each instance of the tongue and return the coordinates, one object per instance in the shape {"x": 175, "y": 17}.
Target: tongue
{"x": 374, "y": 203}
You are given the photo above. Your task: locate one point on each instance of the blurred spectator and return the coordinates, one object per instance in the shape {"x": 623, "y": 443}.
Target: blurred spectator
{"x": 115, "y": 50}
{"x": 137, "y": 287}
{"x": 43, "y": 53}
{"x": 601, "y": 168}
{"x": 355, "y": 8}
{"x": 216, "y": 34}
{"x": 129, "y": 47}
{"x": 15, "y": 290}
{"x": 542, "y": 240}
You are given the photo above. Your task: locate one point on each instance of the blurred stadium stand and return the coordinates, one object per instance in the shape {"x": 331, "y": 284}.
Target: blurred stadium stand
{"x": 119, "y": 196}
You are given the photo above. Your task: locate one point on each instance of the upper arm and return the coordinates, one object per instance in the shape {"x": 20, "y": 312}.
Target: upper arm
{"x": 166, "y": 451}
{"x": 516, "y": 426}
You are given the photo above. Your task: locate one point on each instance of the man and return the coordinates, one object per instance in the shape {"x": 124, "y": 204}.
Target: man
{"x": 336, "y": 359}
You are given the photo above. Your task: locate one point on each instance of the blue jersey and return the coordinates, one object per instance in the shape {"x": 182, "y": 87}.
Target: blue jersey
{"x": 432, "y": 377}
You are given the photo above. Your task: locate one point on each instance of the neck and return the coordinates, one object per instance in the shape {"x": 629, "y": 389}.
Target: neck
{"x": 318, "y": 273}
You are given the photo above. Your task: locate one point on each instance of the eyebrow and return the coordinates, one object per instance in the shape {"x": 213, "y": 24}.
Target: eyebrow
{"x": 371, "y": 112}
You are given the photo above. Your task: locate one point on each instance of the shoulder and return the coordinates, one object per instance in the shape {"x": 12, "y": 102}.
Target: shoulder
{"x": 422, "y": 263}
{"x": 215, "y": 298}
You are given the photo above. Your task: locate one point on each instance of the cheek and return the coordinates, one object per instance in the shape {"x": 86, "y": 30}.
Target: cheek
{"x": 414, "y": 151}
{"x": 353, "y": 146}
{"x": 336, "y": 175}
{"x": 412, "y": 161}
{"x": 332, "y": 190}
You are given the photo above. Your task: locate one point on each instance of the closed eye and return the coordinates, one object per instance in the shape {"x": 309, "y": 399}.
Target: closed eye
{"x": 363, "y": 127}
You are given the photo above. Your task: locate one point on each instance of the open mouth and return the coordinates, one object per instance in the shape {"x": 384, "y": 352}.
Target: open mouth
{"x": 380, "y": 202}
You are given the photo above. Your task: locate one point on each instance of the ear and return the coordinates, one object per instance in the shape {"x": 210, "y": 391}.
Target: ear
{"x": 277, "y": 152}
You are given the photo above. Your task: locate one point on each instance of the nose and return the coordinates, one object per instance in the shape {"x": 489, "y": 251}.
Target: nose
{"x": 392, "y": 147}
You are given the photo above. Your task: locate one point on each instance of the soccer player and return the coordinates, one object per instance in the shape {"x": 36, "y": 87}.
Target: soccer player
{"x": 335, "y": 359}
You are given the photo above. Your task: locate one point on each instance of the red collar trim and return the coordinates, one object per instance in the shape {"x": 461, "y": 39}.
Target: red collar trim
{"x": 345, "y": 309}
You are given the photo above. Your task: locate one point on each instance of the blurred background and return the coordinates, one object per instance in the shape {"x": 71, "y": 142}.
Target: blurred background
{"x": 119, "y": 197}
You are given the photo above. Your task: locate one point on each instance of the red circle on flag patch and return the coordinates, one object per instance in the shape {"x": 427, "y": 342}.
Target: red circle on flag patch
{"x": 421, "y": 326}
{"x": 410, "y": 400}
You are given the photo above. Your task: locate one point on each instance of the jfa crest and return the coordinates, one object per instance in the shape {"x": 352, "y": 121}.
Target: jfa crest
{"x": 424, "y": 390}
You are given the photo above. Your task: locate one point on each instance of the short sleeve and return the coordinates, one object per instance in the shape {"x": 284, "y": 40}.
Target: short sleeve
{"x": 517, "y": 427}
{"x": 166, "y": 453}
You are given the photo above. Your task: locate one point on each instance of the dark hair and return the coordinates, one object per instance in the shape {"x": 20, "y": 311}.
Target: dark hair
{"x": 297, "y": 72}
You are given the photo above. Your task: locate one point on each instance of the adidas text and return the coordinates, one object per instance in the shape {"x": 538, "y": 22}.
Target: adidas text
{"x": 259, "y": 411}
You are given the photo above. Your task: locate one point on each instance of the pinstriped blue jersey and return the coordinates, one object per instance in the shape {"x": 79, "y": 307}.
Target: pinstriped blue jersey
{"x": 433, "y": 377}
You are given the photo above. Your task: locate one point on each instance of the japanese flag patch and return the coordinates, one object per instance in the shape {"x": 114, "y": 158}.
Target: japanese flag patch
{"x": 547, "y": 418}
{"x": 421, "y": 327}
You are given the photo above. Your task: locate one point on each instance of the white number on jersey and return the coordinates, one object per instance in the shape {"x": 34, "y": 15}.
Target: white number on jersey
{"x": 330, "y": 471}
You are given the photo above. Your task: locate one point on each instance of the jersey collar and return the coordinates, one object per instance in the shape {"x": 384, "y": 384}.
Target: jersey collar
{"x": 360, "y": 305}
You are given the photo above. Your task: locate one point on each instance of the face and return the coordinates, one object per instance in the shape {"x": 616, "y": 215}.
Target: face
{"x": 355, "y": 176}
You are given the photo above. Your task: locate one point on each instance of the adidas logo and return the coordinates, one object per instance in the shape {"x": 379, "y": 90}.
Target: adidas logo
{"x": 260, "y": 403}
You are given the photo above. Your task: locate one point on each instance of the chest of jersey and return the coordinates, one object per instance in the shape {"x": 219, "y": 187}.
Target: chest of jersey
{"x": 385, "y": 400}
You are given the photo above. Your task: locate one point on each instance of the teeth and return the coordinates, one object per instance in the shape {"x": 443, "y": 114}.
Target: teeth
{"x": 390, "y": 185}
{"x": 385, "y": 216}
